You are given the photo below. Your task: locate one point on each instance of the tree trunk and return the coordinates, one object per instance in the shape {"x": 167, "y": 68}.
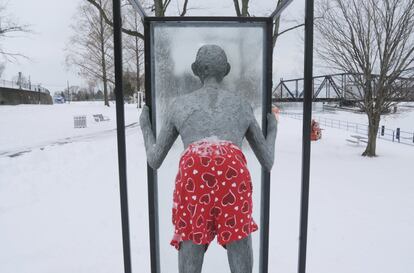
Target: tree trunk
{"x": 159, "y": 8}
{"x": 373, "y": 126}
{"x": 245, "y": 8}
{"x": 103, "y": 59}
{"x": 138, "y": 81}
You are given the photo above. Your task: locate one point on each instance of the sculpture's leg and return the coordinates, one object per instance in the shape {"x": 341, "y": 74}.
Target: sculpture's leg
{"x": 190, "y": 257}
{"x": 240, "y": 255}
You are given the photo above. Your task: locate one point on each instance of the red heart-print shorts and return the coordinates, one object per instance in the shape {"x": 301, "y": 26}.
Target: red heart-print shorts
{"x": 213, "y": 195}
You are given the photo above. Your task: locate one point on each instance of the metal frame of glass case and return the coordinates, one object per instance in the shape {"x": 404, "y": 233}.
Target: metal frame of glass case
{"x": 266, "y": 106}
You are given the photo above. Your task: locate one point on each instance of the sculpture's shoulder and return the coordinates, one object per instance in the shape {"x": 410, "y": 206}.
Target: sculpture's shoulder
{"x": 240, "y": 100}
{"x": 180, "y": 103}
{"x": 191, "y": 102}
{"x": 180, "y": 108}
{"x": 242, "y": 104}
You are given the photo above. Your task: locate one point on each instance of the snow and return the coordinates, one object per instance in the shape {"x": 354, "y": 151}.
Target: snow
{"x": 60, "y": 210}
{"x": 403, "y": 119}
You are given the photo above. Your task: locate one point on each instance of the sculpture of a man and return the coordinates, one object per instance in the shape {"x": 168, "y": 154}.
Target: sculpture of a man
{"x": 213, "y": 188}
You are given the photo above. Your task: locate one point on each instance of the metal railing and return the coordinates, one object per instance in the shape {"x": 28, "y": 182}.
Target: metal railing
{"x": 396, "y": 135}
{"x": 27, "y": 86}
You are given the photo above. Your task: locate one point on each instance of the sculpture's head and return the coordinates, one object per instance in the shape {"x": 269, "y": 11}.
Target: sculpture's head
{"x": 211, "y": 61}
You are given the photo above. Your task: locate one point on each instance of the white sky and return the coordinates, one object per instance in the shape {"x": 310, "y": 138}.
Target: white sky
{"x": 50, "y": 21}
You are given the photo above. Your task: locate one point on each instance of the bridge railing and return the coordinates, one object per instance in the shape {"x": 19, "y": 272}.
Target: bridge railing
{"x": 23, "y": 86}
{"x": 337, "y": 87}
{"x": 397, "y": 135}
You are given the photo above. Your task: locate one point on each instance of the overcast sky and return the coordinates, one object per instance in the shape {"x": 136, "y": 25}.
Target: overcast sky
{"x": 50, "y": 21}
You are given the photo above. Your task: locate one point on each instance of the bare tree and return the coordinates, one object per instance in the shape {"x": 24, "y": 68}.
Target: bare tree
{"x": 134, "y": 47}
{"x": 90, "y": 48}
{"x": 159, "y": 7}
{"x": 9, "y": 27}
{"x": 373, "y": 40}
{"x": 244, "y": 10}
{"x": 103, "y": 12}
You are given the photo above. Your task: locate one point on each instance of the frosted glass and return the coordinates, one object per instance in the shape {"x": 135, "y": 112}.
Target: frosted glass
{"x": 174, "y": 47}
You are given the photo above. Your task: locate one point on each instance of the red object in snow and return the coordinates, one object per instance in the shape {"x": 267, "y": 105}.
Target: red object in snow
{"x": 316, "y": 132}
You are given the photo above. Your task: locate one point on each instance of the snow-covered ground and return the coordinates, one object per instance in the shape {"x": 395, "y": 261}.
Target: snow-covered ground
{"x": 60, "y": 212}
{"x": 403, "y": 119}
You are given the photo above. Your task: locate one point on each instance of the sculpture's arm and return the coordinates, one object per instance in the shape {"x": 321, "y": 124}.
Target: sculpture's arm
{"x": 157, "y": 149}
{"x": 263, "y": 148}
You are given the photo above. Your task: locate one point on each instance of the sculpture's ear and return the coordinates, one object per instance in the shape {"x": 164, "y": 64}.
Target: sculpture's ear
{"x": 227, "y": 69}
{"x": 194, "y": 67}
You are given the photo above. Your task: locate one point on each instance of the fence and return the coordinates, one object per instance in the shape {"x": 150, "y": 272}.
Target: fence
{"x": 23, "y": 86}
{"x": 397, "y": 135}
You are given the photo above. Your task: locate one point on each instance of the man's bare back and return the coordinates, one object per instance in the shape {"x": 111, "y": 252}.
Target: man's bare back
{"x": 211, "y": 112}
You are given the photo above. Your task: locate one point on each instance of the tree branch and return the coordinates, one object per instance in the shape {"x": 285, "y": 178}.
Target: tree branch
{"x": 185, "y": 8}
{"x": 237, "y": 8}
{"x": 109, "y": 22}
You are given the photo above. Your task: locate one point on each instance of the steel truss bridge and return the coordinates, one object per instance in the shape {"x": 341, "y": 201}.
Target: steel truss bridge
{"x": 334, "y": 88}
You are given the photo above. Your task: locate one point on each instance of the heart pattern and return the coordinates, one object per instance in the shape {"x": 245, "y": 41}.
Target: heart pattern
{"x": 205, "y": 161}
{"x": 190, "y": 185}
{"x": 210, "y": 179}
{"x": 212, "y": 195}
{"x": 245, "y": 208}
{"x": 246, "y": 228}
{"x": 225, "y": 235}
{"x": 205, "y": 199}
{"x": 189, "y": 162}
{"x": 181, "y": 223}
{"x": 231, "y": 172}
{"x": 219, "y": 160}
{"x": 231, "y": 222}
{"x": 228, "y": 199}
{"x": 191, "y": 208}
{"x": 200, "y": 221}
{"x": 197, "y": 236}
{"x": 215, "y": 211}
{"x": 242, "y": 187}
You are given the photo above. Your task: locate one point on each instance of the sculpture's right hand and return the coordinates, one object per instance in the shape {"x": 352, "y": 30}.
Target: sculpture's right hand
{"x": 144, "y": 119}
{"x": 271, "y": 122}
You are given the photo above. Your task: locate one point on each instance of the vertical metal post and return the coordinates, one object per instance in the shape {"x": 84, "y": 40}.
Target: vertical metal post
{"x": 152, "y": 174}
{"x": 306, "y": 148}
{"x": 265, "y": 189}
{"x": 120, "y": 127}
{"x": 397, "y": 135}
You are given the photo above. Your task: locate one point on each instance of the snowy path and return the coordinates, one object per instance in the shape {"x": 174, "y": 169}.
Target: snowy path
{"x": 66, "y": 140}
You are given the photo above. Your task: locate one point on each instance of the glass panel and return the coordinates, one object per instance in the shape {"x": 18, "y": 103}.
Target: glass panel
{"x": 174, "y": 48}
